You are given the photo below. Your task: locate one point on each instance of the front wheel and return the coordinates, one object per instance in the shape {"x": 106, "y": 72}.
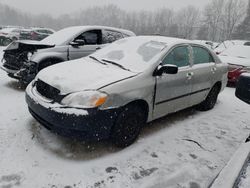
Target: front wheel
{"x": 210, "y": 100}
{"x": 128, "y": 126}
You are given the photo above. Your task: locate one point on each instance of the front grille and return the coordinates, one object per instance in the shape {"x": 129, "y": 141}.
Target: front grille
{"x": 11, "y": 67}
{"x": 13, "y": 61}
{"x": 46, "y": 90}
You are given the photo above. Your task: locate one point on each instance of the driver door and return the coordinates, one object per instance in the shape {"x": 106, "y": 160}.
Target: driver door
{"x": 173, "y": 91}
{"x": 92, "y": 42}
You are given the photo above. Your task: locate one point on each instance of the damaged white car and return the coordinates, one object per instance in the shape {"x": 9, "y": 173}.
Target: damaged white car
{"x": 115, "y": 91}
{"x": 22, "y": 60}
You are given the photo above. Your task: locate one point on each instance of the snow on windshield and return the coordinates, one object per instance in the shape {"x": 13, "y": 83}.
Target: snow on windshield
{"x": 237, "y": 51}
{"x": 62, "y": 36}
{"x": 132, "y": 53}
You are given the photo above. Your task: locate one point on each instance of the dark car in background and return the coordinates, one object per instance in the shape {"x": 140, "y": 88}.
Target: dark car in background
{"x": 35, "y": 33}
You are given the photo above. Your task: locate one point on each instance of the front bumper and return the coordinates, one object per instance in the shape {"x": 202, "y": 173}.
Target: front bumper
{"x": 9, "y": 71}
{"x": 91, "y": 125}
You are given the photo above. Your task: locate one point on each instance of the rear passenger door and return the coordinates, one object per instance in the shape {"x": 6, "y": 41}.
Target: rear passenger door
{"x": 204, "y": 69}
{"x": 93, "y": 42}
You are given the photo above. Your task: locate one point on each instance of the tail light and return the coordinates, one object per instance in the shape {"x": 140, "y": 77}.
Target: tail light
{"x": 234, "y": 71}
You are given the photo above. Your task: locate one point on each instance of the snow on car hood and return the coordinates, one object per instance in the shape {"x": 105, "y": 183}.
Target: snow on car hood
{"x": 235, "y": 60}
{"x": 82, "y": 74}
{"x": 28, "y": 45}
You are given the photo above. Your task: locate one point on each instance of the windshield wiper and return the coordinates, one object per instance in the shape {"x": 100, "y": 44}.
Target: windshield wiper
{"x": 117, "y": 64}
{"x": 94, "y": 58}
{"x": 241, "y": 57}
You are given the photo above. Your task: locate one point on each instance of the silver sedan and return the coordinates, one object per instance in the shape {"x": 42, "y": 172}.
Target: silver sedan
{"x": 115, "y": 91}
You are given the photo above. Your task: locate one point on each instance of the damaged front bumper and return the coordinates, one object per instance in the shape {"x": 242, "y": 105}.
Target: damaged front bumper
{"x": 83, "y": 124}
{"x": 9, "y": 71}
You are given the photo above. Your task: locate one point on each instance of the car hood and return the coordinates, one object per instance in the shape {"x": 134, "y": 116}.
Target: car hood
{"x": 82, "y": 74}
{"x": 235, "y": 60}
{"x": 27, "y": 45}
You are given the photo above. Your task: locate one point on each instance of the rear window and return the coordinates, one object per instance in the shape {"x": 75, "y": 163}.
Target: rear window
{"x": 201, "y": 55}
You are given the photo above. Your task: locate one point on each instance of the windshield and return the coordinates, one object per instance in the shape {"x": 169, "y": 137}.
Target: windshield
{"x": 135, "y": 54}
{"x": 237, "y": 51}
{"x": 62, "y": 36}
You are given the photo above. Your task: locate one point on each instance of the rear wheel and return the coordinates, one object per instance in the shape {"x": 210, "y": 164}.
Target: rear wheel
{"x": 128, "y": 125}
{"x": 210, "y": 100}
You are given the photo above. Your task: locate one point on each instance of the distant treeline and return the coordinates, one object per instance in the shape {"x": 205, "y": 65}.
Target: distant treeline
{"x": 219, "y": 20}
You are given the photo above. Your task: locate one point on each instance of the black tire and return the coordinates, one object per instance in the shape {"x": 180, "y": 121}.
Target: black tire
{"x": 248, "y": 139}
{"x": 210, "y": 100}
{"x": 128, "y": 125}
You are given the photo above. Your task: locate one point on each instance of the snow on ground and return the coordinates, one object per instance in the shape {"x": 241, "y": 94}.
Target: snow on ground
{"x": 245, "y": 180}
{"x": 186, "y": 149}
{"x": 1, "y": 52}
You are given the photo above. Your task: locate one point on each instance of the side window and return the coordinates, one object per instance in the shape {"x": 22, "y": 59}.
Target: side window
{"x": 201, "y": 55}
{"x": 178, "y": 56}
{"x": 90, "y": 37}
{"x": 110, "y": 36}
{"x": 42, "y": 31}
{"x": 49, "y": 32}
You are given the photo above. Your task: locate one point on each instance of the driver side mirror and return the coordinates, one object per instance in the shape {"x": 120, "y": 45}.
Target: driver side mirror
{"x": 165, "y": 69}
{"x": 78, "y": 42}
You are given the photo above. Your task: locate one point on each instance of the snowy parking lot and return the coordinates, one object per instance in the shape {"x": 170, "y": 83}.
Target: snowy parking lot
{"x": 186, "y": 149}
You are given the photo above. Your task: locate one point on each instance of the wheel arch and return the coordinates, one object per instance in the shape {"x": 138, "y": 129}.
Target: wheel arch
{"x": 218, "y": 84}
{"x": 142, "y": 104}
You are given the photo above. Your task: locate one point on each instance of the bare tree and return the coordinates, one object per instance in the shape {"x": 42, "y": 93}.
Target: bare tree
{"x": 221, "y": 18}
{"x": 213, "y": 13}
{"x": 243, "y": 30}
{"x": 187, "y": 20}
{"x": 233, "y": 13}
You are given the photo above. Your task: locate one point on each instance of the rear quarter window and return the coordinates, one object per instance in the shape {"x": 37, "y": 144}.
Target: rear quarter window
{"x": 201, "y": 55}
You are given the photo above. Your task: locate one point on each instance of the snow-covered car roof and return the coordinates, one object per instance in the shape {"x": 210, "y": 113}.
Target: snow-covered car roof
{"x": 65, "y": 35}
{"x": 237, "y": 55}
{"x": 137, "y": 53}
{"x": 237, "y": 51}
{"x": 228, "y": 43}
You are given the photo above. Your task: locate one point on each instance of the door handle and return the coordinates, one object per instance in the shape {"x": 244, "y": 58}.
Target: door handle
{"x": 213, "y": 69}
{"x": 98, "y": 48}
{"x": 190, "y": 75}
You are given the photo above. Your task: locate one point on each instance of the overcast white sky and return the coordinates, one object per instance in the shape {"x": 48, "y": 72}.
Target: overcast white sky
{"x": 57, "y": 7}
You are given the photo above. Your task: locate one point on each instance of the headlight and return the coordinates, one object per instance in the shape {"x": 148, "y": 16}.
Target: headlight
{"x": 29, "y": 55}
{"x": 85, "y": 99}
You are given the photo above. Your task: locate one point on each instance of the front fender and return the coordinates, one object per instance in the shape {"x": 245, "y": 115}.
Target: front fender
{"x": 39, "y": 57}
{"x": 138, "y": 88}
